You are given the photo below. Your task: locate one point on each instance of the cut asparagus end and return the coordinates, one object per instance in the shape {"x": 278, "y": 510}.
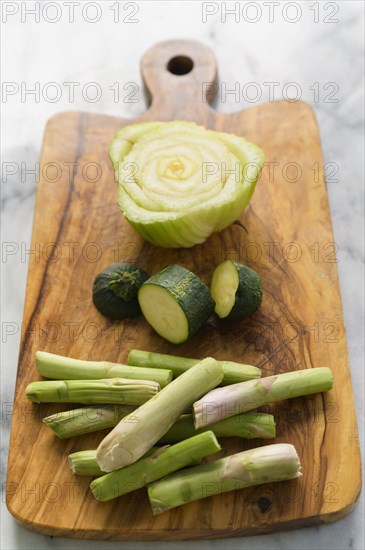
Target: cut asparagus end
{"x": 83, "y": 463}
{"x": 266, "y": 464}
{"x": 223, "y": 288}
{"x": 86, "y": 419}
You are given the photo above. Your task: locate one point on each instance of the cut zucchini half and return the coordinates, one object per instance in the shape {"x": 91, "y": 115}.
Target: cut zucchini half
{"x": 176, "y": 303}
{"x": 236, "y": 290}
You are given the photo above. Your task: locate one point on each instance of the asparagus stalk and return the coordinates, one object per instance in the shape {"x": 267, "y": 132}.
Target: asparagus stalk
{"x": 58, "y": 367}
{"x": 96, "y": 417}
{"x": 238, "y": 398}
{"x": 247, "y": 426}
{"x": 111, "y": 390}
{"x": 83, "y": 463}
{"x": 136, "y": 433}
{"x": 277, "y": 462}
{"x": 86, "y": 419}
{"x": 232, "y": 372}
{"x": 149, "y": 469}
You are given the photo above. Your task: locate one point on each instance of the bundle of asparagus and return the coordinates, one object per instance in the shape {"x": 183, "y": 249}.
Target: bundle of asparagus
{"x": 126, "y": 458}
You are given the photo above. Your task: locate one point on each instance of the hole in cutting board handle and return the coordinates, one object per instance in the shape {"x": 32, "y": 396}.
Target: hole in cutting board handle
{"x": 174, "y": 73}
{"x": 180, "y": 65}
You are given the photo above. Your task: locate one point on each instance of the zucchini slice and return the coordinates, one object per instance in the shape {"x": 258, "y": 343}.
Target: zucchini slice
{"x": 236, "y": 290}
{"x": 176, "y": 303}
{"x": 115, "y": 290}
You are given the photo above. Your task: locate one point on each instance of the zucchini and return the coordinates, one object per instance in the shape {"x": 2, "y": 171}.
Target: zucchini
{"x": 115, "y": 290}
{"x": 176, "y": 303}
{"x": 236, "y": 290}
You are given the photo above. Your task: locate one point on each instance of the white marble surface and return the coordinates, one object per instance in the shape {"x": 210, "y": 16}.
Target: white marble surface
{"x": 305, "y": 52}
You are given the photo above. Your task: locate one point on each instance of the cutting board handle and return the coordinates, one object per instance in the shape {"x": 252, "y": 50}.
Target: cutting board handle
{"x": 179, "y": 76}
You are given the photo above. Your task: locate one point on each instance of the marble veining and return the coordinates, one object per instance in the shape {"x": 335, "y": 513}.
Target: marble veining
{"x": 311, "y": 54}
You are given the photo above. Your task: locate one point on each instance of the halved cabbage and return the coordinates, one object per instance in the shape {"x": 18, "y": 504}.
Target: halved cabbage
{"x": 179, "y": 182}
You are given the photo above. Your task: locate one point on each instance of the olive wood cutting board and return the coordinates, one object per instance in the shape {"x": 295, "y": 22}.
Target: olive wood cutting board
{"x": 287, "y": 237}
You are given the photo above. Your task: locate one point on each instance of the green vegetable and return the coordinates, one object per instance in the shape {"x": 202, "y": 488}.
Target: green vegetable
{"x": 230, "y": 400}
{"x": 246, "y": 425}
{"x": 57, "y": 367}
{"x": 153, "y": 467}
{"x": 232, "y": 372}
{"x": 176, "y": 303}
{"x": 236, "y": 290}
{"x": 277, "y": 462}
{"x": 115, "y": 290}
{"x": 136, "y": 433}
{"x": 179, "y": 182}
{"x": 86, "y": 419}
{"x": 83, "y": 463}
{"x": 112, "y": 390}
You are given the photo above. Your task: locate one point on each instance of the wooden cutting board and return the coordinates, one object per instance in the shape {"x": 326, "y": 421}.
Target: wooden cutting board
{"x": 78, "y": 230}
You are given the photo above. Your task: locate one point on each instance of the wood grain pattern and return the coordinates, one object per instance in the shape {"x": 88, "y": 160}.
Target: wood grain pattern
{"x": 78, "y": 230}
